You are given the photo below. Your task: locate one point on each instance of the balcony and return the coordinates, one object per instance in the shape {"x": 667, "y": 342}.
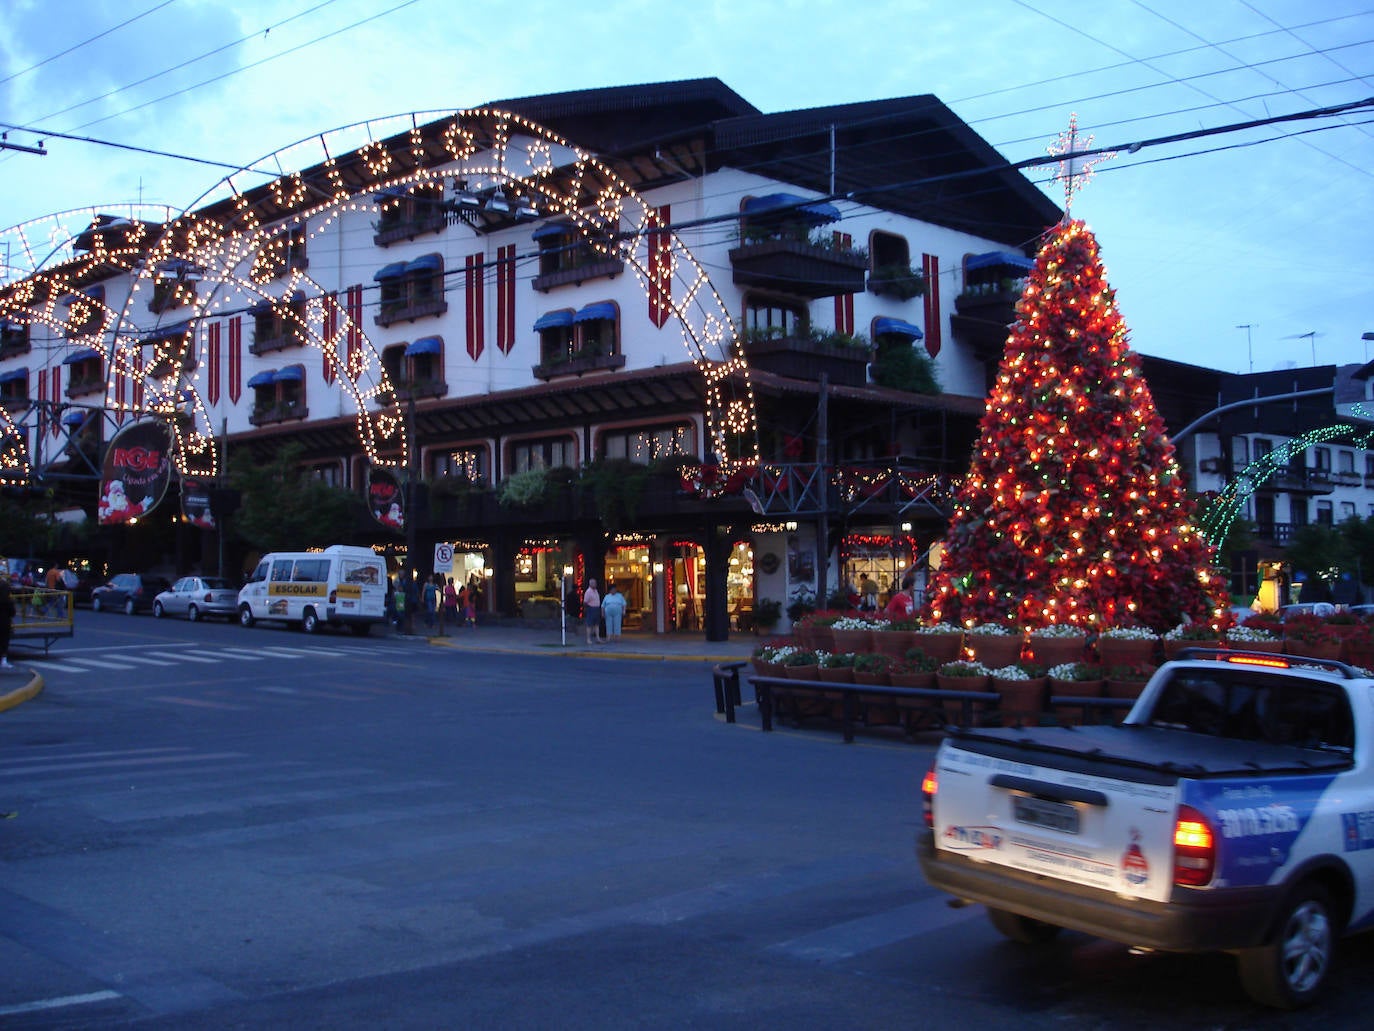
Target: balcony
{"x": 577, "y": 365}
{"x": 409, "y": 228}
{"x": 393, "y": 312}
{"x": 843, "y": 359}
{"x": 578, "y": 274}
{"x": 86, "y": 387}
{"x": 284, "y": 411}
{"x": 799, "y": 267}
{"x": 416, "y": 390}
{"x": 287, "y": 337}
{"x": 1297, "y": 480}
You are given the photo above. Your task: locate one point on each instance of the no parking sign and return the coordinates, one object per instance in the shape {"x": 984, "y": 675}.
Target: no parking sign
{"x": 443, "y": 558}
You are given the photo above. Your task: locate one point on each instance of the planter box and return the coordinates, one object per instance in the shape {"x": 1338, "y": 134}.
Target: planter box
{"x": 804, "y": 358}
{"x": 795, "y": 267}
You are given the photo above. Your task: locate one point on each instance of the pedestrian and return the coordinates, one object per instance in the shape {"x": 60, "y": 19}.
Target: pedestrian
{"x": 430, "y": 598}
{"x": 470, "y": 607}
{"x": 6, "y": 620}
{"x": 450, "y": 603}
{"x": 591, "y": 612}
{"x": 613, "y": 608}
{"x": 412, "y": 602}
{"x": 902, "y": 604}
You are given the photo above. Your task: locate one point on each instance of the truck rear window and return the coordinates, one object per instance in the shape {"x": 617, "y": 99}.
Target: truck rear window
{"x": 1245, "y": 706}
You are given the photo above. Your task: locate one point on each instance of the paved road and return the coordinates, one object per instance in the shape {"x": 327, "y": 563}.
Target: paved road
{"x": 223, "y": 828}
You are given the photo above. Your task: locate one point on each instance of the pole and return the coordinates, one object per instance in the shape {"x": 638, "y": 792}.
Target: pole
{"x": 563, "y": 608}
{"x": 1249, "y": 350}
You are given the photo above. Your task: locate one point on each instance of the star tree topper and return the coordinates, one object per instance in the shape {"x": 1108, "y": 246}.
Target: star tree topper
{"x": 1076, "y": 161}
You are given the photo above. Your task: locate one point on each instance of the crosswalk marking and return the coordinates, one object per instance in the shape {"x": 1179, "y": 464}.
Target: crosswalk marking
{"x": 148, "y": 660}
{"x": 86, "y": 660}
{"x": 187, "y": 657}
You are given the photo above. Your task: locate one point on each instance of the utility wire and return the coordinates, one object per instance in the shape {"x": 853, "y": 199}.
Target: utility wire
{"x": 84, "y": 42}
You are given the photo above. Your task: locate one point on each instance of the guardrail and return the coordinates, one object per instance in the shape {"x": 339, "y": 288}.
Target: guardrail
{"x": 41, "y": 613}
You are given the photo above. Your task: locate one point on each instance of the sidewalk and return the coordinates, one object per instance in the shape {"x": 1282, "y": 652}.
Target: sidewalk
{"x": 18, "y": 685}
{"x": 683, "y": 646}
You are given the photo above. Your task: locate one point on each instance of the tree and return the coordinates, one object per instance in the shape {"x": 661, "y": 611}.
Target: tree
{"x": 1073, "y": 510}
{"x": 284, "y": 508}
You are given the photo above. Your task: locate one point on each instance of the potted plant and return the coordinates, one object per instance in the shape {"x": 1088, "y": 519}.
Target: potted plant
{"x": 1076, "y": 680}
{"x": 853, "y": 634}
{"x": 1251, "y": 638}
{"x": 801, "y": 664}
{"x": 914, "y": 669}
{"x": 767, "y": 613}
{"x": 818, "y": 628}
{"x": 1127, "y": 645}
{"x": 871, "y": 668}
{"x": 894, "y": 637}
{"x": 1021, "y": 687}
{"x": 768, "y": 658}
{"x": 1057, "y": 643}
{"x": 1128, "y": 681}
{"x": 1311, "y": 637}
{"x": 943, "y": 641}
{"x": 837, "y": 666}
{"x": 993, "y": 644}
{"x": 1189, "y": 635}
{"x": 960, "y": 675}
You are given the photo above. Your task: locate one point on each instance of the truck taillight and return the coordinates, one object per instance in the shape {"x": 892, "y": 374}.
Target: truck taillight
{"x": 1195, "y": 854}
{"x": 928, "y": 785}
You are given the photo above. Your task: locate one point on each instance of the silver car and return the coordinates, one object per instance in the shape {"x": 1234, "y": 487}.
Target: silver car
{"x": 196, "y": 596}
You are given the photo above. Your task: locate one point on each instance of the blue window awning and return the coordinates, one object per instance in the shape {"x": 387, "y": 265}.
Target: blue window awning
{"x": 74, "y": 418}
{"x": 178, "y": 329}
{"x": 593, "y": 312}
{"x": 395, "y": 270}
{"x": 426, "y": 263}
{"x": 549, "y": 229}
{"x": 290, "y": 374}
{"x": 263, "y": 307}
{"x": 790, "y": 205}
{"x": 391, "y": 193}
{"x": 554, "y": 320}
{"x": 14, "y": 375}
{"x": 425, "y": 345}
{"x": 896, "y": 327}
{"x": 999, "y": 259}
{"x": 263, "y": 379}
{"x": 85, "y": 354}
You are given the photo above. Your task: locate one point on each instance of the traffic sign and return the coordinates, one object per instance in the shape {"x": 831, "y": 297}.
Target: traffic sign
{"x": 443, "y": 558}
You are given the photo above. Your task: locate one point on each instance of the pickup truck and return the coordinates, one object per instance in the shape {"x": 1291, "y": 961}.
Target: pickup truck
{"x": 1232, "y": 810}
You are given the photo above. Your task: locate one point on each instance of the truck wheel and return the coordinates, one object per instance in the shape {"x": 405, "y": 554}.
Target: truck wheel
{"x": 246, "y": 616}
{"x": 1022, "y": 929}
{"x": 309, "y": 621}
{"x": 1292, "y": 969}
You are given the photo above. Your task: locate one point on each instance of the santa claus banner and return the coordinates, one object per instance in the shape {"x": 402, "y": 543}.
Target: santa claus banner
{"x": 195, "y": 504}
{"x": 384, "y": 498}
{"x": 137, "y": 468}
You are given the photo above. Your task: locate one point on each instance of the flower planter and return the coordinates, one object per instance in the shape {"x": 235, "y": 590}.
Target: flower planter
{"x": 802, "y": 672}
{"x": 995, "y": 650}
{"x": 911, "y": 679}
{"x": 1124, "y": 688}
{"x": 837, "y": 674}
{"x": 1069, "y": 715}
{"x": 1022, "y": 700}
{"x": 1270, "y": 647}
{"x": 1310, "y": 650}
{"x": 1127, "y": 651}
{"x": 895, "y": 643}
{"x": 940, "y": 647}
{"x": 769, "y": 669}
{"x": 1361, "y": 655}
{"x": 853, "y": 640}
{"x": 823, "y": 638}
{"x": 1173, "y": 647}
{"x": 953, "y": 709}
{"x": 1055, "y": 651}
{"x": 871, "y": 679}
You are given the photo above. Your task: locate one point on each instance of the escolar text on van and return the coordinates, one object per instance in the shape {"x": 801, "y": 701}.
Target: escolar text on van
{"x": 340, "y": 586}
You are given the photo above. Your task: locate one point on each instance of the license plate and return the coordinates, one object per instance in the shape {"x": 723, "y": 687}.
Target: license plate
{"x": 1039, "y": 812}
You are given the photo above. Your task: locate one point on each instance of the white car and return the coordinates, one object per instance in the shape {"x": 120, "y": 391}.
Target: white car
{"x": 197, "y": 596}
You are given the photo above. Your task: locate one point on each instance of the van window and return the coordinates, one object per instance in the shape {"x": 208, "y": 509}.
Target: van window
{"x": 311, "y": 570}
{"x": 356, "y": 571}
{"x": 258, "y": 575}
{"x": 281, "y": 570}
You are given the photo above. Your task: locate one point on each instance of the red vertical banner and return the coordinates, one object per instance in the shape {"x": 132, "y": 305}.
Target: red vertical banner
{"x": 930, "y": 268}
{"x": 235, "y": 359}
{"x": 327, "y": 331}
{"x": 121, "y": 391}
{"x": 505, "y": 298}
{"x": 844, "y": 303}
{"x": 212, "y": 365}
{"x": 473, "y": 287}
{"x": 43, "y": 409}
{"x": 56, "y": 427}
{"x": 138, "y": 380}
{"x": 353, "y": 363}
{"x": 661, "y": 268}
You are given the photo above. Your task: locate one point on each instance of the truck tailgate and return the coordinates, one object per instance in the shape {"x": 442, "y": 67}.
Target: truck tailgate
{"x": 1093, "y": 829}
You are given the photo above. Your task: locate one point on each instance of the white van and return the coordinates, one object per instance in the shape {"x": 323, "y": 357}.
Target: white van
{"x": 341, "y": 586}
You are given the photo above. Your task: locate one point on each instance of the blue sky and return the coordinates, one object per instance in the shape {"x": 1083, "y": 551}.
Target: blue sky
{"x": 1267, "y": 228}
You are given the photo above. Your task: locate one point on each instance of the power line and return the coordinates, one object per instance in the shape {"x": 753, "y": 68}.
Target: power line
{"x": 85, "y": 42}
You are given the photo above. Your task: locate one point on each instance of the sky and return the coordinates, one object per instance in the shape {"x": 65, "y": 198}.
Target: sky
{"x": 1242, "y": 251}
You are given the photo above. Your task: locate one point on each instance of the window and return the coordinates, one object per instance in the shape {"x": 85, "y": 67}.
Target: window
{"x": 891, "y": 273}
{"x": 281, "y": 253}
{"x": 555, "y": 336}
{"x": 14, "y": 385}
{"x": 650, "y": 443}
{"x": 411, "y": 290}
{"x": 170, "y": 351}
{"x": 417, "y": 368}
{"x": 470, "y": 464}
{"x": 329, "y": 473}
{"x": 1240, "y": 452}
{"x": 783, "y": 216}
{"x": 566, "y": 256}
{"x": 1369, "y": 464}
{"x": 404, "y": 213}
{"x": 1324, "y": 517}
{"x": 549, "y": 453}
{"x": 278, "y": 395}
{"x": 1322, "y": 459}
{"x": 174, "y": 285}
{"x": 1263, "y": 448}
{"x": 278, "y": 323}
{"x": 768, "y": 320}
{"x": 393, "y": 362}
{"x": 14, "y": 338}
{"x": 1347, "y": 510}
{"x": 1346, "y": 460}
{"x": 86, "y": 373}
{"x": 889, "y": 249}
{"x": 595, "y": 330}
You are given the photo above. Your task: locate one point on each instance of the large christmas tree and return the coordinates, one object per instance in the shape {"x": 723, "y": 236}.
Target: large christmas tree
{"x": 1073, "y": 510}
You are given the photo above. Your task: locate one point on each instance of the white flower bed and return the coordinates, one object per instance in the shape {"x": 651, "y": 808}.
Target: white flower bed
{"x": 990, "y": 630}
{"x": 1011, "y": 673}
{"x": 938, "y": 628}
{"x": 1059, "y": 630}
{"x": 1249, "y": 633}
{"x": 1129, "y": 633}
{"x": 852, "y": 623}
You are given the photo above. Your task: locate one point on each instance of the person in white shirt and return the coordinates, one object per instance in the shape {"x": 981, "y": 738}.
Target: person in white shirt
{"x": 591, "y": 612}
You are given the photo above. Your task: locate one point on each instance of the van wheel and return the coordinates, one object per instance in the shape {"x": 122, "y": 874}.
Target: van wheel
{"x": 246, "y": 616}
{"x": 1292, "y": 969}
{"x": 309, "y": 621}
{"x": 1023, "y": 930}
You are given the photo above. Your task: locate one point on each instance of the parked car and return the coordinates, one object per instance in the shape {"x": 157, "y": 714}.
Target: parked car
{"x": 131, "y": 592}
{"x": 197, "y": 596}
{"x": 1315, "y": 608}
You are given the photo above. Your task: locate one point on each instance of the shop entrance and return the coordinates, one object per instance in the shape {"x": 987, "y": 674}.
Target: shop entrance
{"x": 875, "y": 564}
{"x": 628, "y": 568}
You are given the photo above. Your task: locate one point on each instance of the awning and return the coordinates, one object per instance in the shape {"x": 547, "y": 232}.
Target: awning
{"x": 549, "y": 229}
{"x": 83, "y": 355}
{"x": 262, "y": 307}
{"x": 999, "y": 259}
{"x": 391, "y": 193}
{"x": 73, "y": 418}
{"x": 789, "y": 204}
{"x": 178, "y": 329}
{"x": 263, "y": 379}
{"x": 425, "y": 345}
{"x": 14, "y": 375}
{"x": 593, "y": 312}
{"x": 554, "y": 320}
{"x": 290, "y": 374}
{"x": 426, "y": 263}
{"x": 395, "y": 270}
{"x": 896, "y": 327}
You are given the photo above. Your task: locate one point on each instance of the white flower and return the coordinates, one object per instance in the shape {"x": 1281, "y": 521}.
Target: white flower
{"x": 1011, "y": 673}
{"x": 938, "y": 628}
{"x": 1129, "y": 633}
{"x": 990, "y": 630}
{"x": 1059, "y": 630}
{"x": 1248, "y": 633}
{"x": 852, "y": 623}
{"x": 1064, "y": 671}
{"x": 961, "y": 666}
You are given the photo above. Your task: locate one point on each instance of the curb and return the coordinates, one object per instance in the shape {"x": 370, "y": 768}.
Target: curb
{"x": 584, "y": 652}
{"x": 22, "y": 694}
